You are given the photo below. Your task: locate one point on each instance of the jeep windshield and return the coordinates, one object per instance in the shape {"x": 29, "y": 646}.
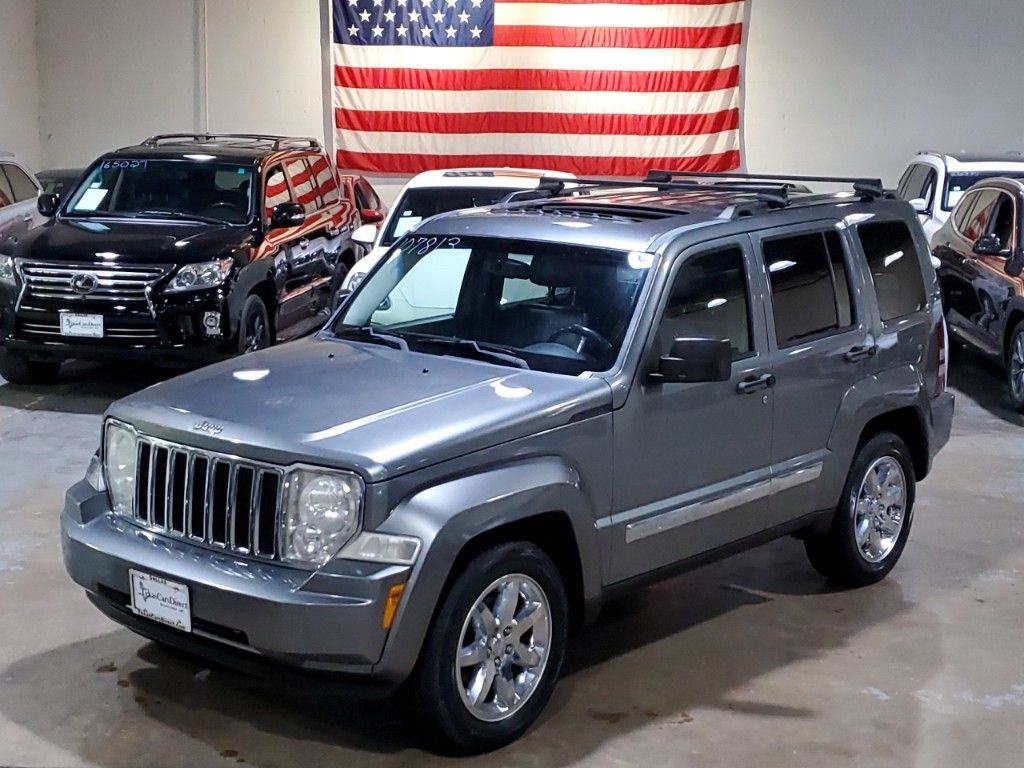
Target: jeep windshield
{"x": 958, "y": 182}
{"x": 422, "y": 203}
{"x": 550, "y": 307}
{"x": 196, "y": 190}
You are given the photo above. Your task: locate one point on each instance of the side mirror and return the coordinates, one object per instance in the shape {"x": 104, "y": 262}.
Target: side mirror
{"x": 989, "y": 245}
{"x": 287, "y": 215}
{"x": 694, "y": 360}
{"x": 365, "y": 235}
{"x": 48, "y": 204}
{"x": 920, "y": 206}
{"x": 371, "y": 216}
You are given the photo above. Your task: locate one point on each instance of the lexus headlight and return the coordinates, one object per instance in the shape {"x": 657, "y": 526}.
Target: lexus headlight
{"x": 322, "y": 512}
{"x": 7, "y": 270}
{"x": 120, "y": 455}
{"x": 193, "y": 277}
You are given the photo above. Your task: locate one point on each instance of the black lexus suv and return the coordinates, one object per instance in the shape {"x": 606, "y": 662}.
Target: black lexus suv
{"x": 181, "y": 250}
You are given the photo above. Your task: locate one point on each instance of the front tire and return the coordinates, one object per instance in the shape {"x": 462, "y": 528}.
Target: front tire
{"x": 19, "y": 369}
{"x": 872, "y": 522}
{"x": 1015, "y": 367}
{"x": 254, "y": 332}
{"x": 495, "y": 649}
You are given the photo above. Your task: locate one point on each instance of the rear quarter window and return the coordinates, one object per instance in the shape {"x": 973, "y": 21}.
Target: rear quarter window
{"x": 895, "y": 269}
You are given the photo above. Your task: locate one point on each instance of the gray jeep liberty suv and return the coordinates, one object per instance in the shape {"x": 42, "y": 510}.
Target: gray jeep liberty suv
{"x": 521, "y": 409}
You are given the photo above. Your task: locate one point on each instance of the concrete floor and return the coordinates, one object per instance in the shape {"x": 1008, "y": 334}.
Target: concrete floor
{"x": 750, "y": 662}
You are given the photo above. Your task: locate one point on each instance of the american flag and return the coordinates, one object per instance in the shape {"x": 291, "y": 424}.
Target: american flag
{"x": 596, "y": 88}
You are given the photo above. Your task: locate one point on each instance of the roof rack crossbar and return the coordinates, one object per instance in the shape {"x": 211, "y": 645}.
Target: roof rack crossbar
{"x": 774, "y": 195}
{"x": 277, "y": 142}
{"x": 865, "y": 187}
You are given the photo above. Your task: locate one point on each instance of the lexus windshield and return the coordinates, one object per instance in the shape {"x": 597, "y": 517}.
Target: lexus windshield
{"x": 550, "y": 307}
{"x": 185, "y": 189}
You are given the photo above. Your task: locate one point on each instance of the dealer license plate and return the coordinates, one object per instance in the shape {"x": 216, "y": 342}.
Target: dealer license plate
{"x": 156, "y": 598}
{"x": 77, "y": 324}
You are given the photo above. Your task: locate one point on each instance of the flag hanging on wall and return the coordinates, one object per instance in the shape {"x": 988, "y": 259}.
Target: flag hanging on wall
{"x": 608, "y": 88}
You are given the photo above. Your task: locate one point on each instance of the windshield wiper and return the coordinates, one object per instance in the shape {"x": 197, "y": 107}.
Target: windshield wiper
{"x": 491, "y": 353}
{"x": 181, "y": 215}
{"x": 368, "y": 334}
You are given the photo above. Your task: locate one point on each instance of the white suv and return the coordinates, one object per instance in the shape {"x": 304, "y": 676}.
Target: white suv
{"x": 435, "y": 192}
{"x": 18, "y": 192}
{"x": 935, "y": 181}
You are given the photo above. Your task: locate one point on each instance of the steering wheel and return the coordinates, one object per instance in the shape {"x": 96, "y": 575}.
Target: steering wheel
{"x": 585, "y": 334}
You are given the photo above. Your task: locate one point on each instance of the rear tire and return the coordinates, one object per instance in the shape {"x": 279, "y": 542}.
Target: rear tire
{"x": 494, "y": 651}
{"x": 1015, "y": 367}
{"x": 872, "y": 522}
{"x": 254, "y": 331}
{"x": 19, "y": 369}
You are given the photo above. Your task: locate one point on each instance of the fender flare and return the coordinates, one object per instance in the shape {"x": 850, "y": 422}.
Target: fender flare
{"x": 449, "y": 515}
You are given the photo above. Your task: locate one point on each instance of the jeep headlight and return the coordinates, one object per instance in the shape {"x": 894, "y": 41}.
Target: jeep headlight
{"x": 322, "y": 512}
{"x": 193, "y": 277}
{"x": 7, "y": 270}
{"x": 120, "y": 456}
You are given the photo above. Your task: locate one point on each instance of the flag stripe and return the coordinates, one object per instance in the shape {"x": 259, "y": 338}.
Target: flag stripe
{"x": 552, "y": 145}
{"x": 570, "y": 103}
{"x": 537, "y": 122}
{"x": 612, "y": 15}
{"x": 535, "y": 80}
{"x": 575, "y": 59}
{"x": 379, "y": 162}
{"x": 613, "y": 37}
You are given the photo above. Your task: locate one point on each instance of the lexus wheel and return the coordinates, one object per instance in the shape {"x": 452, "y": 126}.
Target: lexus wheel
{"x": 872, "y": 522}
{"x": 18, "y": 369}
{"x": 495, "y": 649}
{"x": 254, "y": 331}
{"x": 1015, "y": 368}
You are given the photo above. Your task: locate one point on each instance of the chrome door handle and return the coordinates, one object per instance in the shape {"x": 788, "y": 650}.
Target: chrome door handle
{"x": 756, "y": 384}
{"x": 27, "y": 217}
{"x": 303, "y": 243}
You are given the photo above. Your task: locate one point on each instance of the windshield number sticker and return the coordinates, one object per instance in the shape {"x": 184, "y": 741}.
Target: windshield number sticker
{"x": 125, "y": 164}
{"x": 421, "y": 246}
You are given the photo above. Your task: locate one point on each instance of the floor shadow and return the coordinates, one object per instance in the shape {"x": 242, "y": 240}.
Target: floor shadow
{"x": 86, "y": 388}
{"x": 685, "y": 644}
{"x": 984, "y": 382}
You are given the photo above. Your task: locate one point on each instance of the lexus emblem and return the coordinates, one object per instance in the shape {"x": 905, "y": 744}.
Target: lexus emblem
{"x": 84, "y": 283}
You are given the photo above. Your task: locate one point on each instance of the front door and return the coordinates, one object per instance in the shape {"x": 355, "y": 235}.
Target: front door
{"x": 692, "y": 460}
{"x": 822, "y": 344}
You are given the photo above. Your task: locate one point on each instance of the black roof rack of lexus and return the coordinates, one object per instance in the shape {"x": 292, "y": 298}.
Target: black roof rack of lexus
{"x": 772, "y": 195}
{"x": 276, "y": 142}
{"x": 866, "y": 188}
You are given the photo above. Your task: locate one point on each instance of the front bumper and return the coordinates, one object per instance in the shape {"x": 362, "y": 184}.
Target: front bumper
{"x": 315, "y": 621}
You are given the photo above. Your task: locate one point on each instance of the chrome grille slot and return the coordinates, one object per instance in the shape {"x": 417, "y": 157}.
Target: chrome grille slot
{"x": 110, "y": 282}
{"x": 201, "y": 496}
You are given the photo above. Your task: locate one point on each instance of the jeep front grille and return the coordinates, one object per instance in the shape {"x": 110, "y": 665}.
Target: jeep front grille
{"x": 210, "y": 498}
{"x": 52, "y": 281}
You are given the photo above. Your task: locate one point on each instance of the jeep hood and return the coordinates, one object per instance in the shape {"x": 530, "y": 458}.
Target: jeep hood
{"x": 376, "y": 410}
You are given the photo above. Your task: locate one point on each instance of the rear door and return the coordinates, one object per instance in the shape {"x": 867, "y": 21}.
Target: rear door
{"x": 821, "y": 345}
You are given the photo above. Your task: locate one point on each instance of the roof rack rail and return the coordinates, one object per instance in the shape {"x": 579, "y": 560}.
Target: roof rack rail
{"x": 773, "y": 195}
{"x": 867, "y": 188}
{"x": 276, "y": 142}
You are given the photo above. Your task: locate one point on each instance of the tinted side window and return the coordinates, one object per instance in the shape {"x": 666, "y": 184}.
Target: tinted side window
{"x": 918, "y": 183}
{"x": 709, "y": 298}
{"x": 302, "y": 182}
{"x": 977, "y": 222}
{"x": 963, "y": 211}
{"x": 810, "y": 288}
{"x": 6, "y": 193}
{"x": 323, "y": 178}
{"x": 1002, "y": 223}
{"x": 277, "y": 189}
{"x": 895, "y": 271}
{"x": 372, "y": 201}
{"x": 21, "y": 184}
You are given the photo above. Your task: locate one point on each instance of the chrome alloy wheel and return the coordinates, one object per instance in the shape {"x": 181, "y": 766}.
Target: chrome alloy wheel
{"x": 503, "y": 648}
{"x": 1017, "y": 368}
{"x": 881, "y": 509}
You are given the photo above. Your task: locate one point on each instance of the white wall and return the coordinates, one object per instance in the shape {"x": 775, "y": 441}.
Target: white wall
{"x": 113, "y": 72}
{"x": 858, "y": 86}
{"x": 19, "y": 86}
